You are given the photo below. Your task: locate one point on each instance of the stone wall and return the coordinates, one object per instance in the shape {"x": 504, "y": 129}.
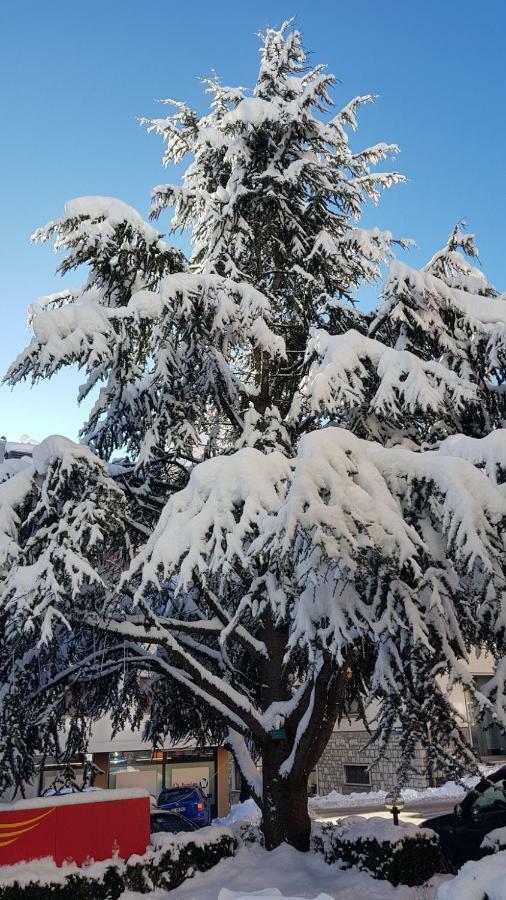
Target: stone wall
{"x": 348, "y": 748}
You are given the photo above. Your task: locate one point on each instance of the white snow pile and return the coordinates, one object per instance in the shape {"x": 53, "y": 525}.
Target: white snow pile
{"x": 267, "y": 894}
{"x": 448, "y": 791}
{"x": 247, "y": 811}
{"x": 292, "y": 874}
{"x": 495, "y": 840}
{"x": 485, "y": 878}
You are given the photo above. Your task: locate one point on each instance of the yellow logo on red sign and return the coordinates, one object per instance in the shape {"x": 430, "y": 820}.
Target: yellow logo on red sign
{"x": 11, "y": 831}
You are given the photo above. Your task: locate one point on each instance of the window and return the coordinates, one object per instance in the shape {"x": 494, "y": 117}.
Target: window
{"x": 177, "y": 795}
{"x": 357, "y": 775}
{"x": 135, "y": 769}
{"x": 493, "y": 797}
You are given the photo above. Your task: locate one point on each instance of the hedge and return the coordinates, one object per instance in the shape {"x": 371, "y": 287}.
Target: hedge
{"x": 405, "y": 855}
{"x": 174, "y": 859}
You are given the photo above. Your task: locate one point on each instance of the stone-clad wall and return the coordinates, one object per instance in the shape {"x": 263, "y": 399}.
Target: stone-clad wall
{"x": 347, "y": 747}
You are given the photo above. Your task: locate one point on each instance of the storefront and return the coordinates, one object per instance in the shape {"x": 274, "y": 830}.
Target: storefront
{"x": 128, "y": 761}
{"x": 165, "y": 768}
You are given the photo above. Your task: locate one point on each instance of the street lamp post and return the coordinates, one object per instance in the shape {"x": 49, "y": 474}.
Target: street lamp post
{"x": 394, "y": 803}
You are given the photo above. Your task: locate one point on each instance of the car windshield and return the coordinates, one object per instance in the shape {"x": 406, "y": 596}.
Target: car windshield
{"x": 172, "y": 824}
{"x": 492, "y": 797}
{"x": 177, "y": 795}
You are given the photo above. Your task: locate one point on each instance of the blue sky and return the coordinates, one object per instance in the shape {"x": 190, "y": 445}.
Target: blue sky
{"x": 74, "y": 77}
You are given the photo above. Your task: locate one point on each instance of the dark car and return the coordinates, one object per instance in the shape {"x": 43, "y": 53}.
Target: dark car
{"x": 190, "y": 801}
{"x": 461, "y": 833}
{"x": 169, "y": 822}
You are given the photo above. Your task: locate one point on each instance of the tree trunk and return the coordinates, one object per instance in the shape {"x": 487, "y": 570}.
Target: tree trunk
{"x": 285, "y": 815}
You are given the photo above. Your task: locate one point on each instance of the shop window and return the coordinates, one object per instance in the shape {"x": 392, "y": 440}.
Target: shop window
{"x": 154, "y": 770}
{"x": 51, "y": 770}
{"x": 128, "y": 769}
{"x": 357, "y": 775}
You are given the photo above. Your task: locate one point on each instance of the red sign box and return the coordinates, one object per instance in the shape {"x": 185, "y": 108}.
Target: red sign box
{"x": 74, "y": 828}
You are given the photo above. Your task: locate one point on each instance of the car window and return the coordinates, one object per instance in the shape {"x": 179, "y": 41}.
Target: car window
{"x": 177, "y": 795}
{"x": 492, "y": 797}
{"x": 170, "y": 824}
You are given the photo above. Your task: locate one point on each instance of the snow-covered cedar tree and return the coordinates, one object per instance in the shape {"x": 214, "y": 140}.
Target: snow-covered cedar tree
{"x": 310, "y": 498}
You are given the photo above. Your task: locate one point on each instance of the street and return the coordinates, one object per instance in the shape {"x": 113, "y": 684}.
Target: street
{"x": 415, "y": 813}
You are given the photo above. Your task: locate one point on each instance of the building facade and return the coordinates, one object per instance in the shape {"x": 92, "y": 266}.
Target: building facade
{"x": 348, "y": 764}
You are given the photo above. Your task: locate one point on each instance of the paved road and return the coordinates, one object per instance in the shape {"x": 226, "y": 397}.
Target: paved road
{"x": 413, "y": 812}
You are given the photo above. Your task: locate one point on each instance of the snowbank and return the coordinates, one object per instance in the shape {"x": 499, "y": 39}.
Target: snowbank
{"x": 448, "y": 791}
{"x": 477, "y": 880}
{"x": 293, "y": 874}
{"x": 267, "y": 894}
{"x": 248, "y": 811}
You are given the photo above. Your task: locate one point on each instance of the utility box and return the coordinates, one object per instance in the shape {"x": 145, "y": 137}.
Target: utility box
{"x": 76, "y": 826}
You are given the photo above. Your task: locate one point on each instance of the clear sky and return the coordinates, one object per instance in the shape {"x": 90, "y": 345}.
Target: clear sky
{"x": 74, "y": 77}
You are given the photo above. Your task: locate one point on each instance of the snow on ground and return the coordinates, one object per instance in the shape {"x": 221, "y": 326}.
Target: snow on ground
{"x": 295, "y": 874}
{"x": 448, "y": 791}
{"x": 268, "y": 894}
{"x": 249, "y": 811}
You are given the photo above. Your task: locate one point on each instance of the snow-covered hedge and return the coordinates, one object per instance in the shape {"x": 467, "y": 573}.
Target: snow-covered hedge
{"x": 171, "y": 860}
{"x": 402, "y": 854}
{"x": 484, "y": 879}
{"x": 494, "y": 841}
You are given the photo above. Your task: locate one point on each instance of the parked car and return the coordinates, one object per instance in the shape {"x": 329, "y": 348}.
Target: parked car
{"x": 190, "y": 801}
{"x": 461, "y": 833}
{"x": 169, "y": 822}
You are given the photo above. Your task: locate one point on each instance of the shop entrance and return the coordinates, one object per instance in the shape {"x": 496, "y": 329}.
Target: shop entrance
{"x": 165, "y": 768}
{"x": 182, "y": 769}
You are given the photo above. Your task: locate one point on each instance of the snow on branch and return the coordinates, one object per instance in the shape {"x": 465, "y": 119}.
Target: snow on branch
{"x": 58, "y": 517}
{"x": 329, "y": 536}
{"x": 351, "y": 371}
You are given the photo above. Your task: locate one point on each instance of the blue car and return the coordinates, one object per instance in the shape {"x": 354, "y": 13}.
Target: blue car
{"x": 189, "y": 801}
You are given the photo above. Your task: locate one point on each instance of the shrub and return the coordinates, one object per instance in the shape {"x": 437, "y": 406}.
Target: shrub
{"x": 172, "y": 860}
{"x": 400, "y": 854}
